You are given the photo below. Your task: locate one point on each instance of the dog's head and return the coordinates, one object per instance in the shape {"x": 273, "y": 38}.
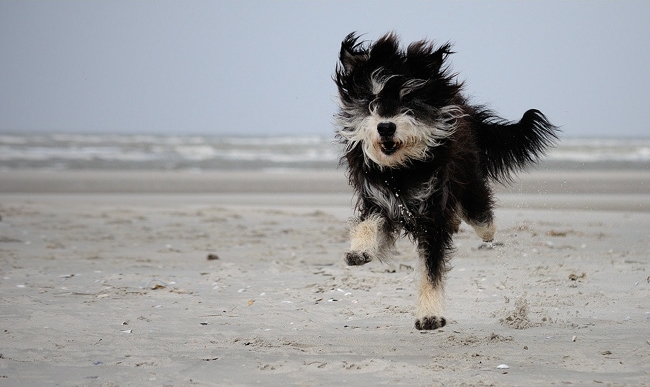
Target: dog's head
{"x": 396, "y": 104}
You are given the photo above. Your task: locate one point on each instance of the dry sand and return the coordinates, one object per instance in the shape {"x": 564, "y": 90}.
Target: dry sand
{"x": 182, "y": 279}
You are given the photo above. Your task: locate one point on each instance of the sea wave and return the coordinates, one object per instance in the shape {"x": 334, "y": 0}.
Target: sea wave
{"x": 89, "y": 151}
{"x": 113, "y": 151}
{"x": 601, "y": 150}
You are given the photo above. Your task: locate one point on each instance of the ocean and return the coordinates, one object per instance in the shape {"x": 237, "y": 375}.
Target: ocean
{"x": 270, "y": 154}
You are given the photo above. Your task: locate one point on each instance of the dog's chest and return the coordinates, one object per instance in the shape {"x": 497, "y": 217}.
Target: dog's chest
{"x": 404, "y": 198}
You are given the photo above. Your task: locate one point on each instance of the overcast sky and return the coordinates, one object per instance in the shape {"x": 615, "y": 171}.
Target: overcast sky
{"x": 250, "y": 67}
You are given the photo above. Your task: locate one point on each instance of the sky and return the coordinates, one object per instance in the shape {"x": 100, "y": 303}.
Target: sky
{"x": 265, "y": 67}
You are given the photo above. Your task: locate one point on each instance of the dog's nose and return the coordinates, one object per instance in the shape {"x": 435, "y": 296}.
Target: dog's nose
{"x": 386, "y": 129}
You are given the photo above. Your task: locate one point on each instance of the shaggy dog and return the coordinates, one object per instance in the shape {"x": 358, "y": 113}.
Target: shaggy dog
{"x": 420, "y": 157}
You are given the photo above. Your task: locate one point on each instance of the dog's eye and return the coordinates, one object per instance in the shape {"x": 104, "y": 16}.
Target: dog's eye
{"x": 405, "y": 93}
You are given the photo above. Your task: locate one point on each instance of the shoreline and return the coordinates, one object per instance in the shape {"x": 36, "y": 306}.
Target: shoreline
{"x": 588, "y": 190}
{"x": 156, "y": 181}
{"x": 342, "y": 202}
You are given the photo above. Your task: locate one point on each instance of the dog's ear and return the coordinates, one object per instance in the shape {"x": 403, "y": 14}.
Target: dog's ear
{"x": 422, "y": 57}
{"x": 385, "y": 49}
{"x": 440, "y": 55}
{"x": 351, "y": 52}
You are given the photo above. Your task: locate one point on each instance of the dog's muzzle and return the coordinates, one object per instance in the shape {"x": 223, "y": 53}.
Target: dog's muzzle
{"x": 386, "y": 131}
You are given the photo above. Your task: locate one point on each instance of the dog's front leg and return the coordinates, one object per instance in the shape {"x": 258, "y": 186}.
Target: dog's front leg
{"x": 369, "y": 239}
{"x": 433, "y": 251}
{"x": 430, "y": 310}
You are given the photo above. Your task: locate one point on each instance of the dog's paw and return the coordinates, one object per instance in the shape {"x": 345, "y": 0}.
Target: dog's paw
{"x": 430, "y": 322}
{"x": 357, "y": 258}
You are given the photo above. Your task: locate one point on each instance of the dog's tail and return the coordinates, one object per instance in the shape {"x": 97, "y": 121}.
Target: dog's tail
{"x": 508, "y": 147}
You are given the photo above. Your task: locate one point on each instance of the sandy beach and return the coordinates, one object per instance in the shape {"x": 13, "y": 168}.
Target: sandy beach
{"x": 113, "y": 278}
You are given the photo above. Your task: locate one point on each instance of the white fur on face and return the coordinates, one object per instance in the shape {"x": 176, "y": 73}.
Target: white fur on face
{"x": 378, "y": 81}
{"x": 413, "y": 137}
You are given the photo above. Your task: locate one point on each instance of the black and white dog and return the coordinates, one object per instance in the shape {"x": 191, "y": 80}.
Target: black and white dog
{"x": 420, "y": 157}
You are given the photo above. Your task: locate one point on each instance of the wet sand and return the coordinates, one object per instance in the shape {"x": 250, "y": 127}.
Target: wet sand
{"x": 184, "y": 278}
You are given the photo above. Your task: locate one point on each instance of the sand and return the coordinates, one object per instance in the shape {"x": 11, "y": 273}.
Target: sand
{"x": 206, "y": 279}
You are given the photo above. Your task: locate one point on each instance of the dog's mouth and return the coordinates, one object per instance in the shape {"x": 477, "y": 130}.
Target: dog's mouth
{"x": 388, "y": 147}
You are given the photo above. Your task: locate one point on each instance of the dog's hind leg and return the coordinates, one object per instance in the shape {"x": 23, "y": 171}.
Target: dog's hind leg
{"x": 476, "y": 209}
{"x": 369, "y": 239}
{"x": 485, "y": 230}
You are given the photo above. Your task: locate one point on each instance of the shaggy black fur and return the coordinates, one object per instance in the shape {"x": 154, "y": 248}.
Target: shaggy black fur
{"x": 393, "y": 101}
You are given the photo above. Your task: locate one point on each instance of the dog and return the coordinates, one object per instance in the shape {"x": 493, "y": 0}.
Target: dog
{"x": 420, "y": 157}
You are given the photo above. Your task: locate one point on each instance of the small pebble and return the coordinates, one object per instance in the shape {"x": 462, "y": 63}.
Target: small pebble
{"x": 503, "y": 366}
